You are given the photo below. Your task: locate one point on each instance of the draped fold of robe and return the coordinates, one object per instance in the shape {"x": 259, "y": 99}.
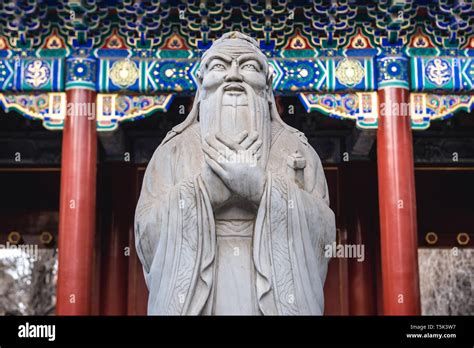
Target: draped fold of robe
{"x": 176, "y": 234}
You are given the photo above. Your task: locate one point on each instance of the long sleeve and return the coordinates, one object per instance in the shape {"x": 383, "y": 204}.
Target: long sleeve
{"x": 293, "y": 225}
{"x": 174, "y": 234}
{"x": 153, "y": 205}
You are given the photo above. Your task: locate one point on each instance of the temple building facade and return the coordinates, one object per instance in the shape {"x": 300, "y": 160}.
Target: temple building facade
{"x": 383, "y": 90}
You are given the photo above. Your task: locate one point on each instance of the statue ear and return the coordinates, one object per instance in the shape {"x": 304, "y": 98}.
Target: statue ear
{"x": 270, "y": 77}
{"x": 199, "y": 76}
{"x": 270, "y": 97}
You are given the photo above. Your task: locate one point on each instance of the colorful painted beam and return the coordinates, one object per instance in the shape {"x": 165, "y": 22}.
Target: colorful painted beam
{"x": 291, "y": 75}
{"x": 113, "y": 109}
{"x": 146, "y": 75}
{"x": 143, "y": 75}
{"x": 453, "y": 74}
{"x": 32, "y": 74}
{"x": 324, "y": 74}
{"x": 109, "y": 109}
{"x": 425, "y": 107}
{"x": 363, "y": 107}
{"x": 50, "y": 108}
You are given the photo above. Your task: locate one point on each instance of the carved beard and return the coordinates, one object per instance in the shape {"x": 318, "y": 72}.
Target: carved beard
{"x": 232, "y": 112}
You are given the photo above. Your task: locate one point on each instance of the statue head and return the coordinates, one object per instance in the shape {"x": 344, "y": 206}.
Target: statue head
{"x": 234, "y": 57}
{"x": 235, "y": 84}
{"x": 234, "y": 91}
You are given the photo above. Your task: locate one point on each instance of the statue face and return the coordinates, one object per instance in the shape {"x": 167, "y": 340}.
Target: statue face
{"x": 231, "y": 72}
{"x": 233, "y": 90}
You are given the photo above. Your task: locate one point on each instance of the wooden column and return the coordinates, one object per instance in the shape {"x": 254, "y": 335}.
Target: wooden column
{"x": 77, "y": 204}
{"x": 116, "y": 247}
{"x": 361, "y": 203}
{"x": 396, "y": 182}
{"x": 361, "y": 277}
{"x": 137, "y": 289}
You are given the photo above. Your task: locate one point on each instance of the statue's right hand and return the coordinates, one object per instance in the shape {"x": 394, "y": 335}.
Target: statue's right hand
{"x": 218, "y": 193}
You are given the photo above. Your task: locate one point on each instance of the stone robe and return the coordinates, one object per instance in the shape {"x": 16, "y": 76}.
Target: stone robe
{"x": 176, "y": 230}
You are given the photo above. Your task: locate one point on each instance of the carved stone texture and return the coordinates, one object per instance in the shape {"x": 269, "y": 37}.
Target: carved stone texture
{"x": 234, "y": 215}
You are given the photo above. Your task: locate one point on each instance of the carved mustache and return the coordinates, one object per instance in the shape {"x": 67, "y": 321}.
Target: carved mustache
{"x": 235, "y": 87}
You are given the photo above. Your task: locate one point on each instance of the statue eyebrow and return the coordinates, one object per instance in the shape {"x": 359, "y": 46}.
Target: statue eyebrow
{"x": 251, "y": 56}
{"x": 220, "y": 56}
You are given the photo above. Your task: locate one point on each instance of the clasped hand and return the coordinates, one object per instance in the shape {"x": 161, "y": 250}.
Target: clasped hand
{"x": 233, "y": 160}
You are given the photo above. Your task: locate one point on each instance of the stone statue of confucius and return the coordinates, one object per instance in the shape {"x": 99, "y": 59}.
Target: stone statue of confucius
{"x": 234, "y": 211}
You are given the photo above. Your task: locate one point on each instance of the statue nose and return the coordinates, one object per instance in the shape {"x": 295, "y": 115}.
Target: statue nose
{"x": 234, "y": 74}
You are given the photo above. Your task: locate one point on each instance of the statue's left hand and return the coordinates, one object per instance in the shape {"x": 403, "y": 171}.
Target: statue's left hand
{"x": 235, "y": 162}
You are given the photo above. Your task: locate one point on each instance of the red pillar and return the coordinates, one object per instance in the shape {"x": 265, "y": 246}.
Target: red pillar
{"x": 77, "y": 205}
{"x": 116, "y": 242}
{"x": 361, "y": 202}
{"x": 114, "y": 282}
{"x": 361, "y": 277}
{"x": 398, "y": 230}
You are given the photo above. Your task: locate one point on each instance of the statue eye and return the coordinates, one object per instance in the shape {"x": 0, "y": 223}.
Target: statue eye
{"x": 218, "y": 66}
{"x": 249, "y": 66}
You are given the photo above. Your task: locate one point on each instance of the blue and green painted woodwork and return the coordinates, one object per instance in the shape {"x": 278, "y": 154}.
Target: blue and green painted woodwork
{"x": 334, "y": 49}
